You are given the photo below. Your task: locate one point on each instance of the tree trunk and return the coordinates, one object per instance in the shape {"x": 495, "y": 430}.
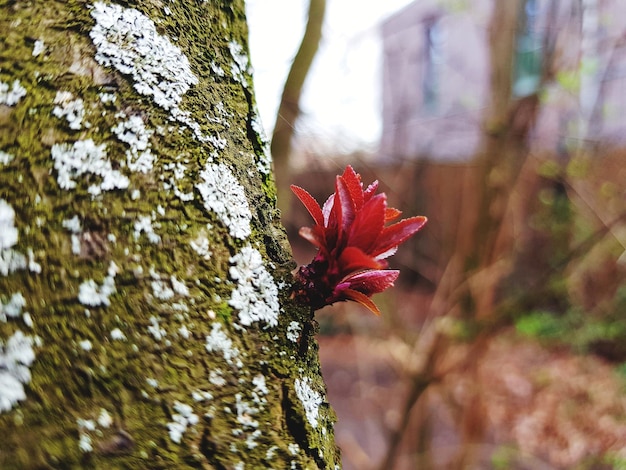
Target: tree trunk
{"x": 145, "y": 319}
{"x": 289, "y": 108}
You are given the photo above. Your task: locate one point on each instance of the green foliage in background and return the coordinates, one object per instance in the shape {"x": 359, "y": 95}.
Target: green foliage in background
{"x": 604, "y": 335}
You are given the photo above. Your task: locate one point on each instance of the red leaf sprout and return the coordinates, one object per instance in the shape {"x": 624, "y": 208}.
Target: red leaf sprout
{"x": 353, "y": 243}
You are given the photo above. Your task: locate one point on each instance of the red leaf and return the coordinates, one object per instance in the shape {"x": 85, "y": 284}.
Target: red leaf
{"x": 391, "y": 213}
{"x": 363, "y": 299}
{"x": 310, "y": 203}
{"x": 368, "y": 223}
{"x": 369, "y": 192}
{"x": 353, "y": 241}
{"x": 372, "y": 282}
{"x": 343, "y": 211}
{"x": 352, "y": 181}
{"x": 312, "y": 235}
{"x": 353, "y": 259}
{"x": 397, "y": 233}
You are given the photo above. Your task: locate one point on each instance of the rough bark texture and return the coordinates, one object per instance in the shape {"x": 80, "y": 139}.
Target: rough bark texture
{"x": 145, "y": 319}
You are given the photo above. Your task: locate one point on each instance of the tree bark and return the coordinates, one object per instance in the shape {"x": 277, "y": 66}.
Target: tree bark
{"x": 145, "y": 319}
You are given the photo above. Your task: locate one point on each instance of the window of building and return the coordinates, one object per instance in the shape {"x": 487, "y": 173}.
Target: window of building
{"x": 433, "y": 59}
{"x": 529, "y": 52}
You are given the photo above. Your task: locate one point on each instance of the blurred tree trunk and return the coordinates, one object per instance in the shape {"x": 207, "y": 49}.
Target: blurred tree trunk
{"x": 506, "y": 124}
{"x": 489, "y": 253}
{"x": 289, "y": 108}
{"x": 492, "y": 252}
{"x": 145, "y": 319}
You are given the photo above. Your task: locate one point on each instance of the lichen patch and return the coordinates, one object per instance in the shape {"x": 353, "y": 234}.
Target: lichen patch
{"x": 85, "y": 157}
{"x": 219, "y": 342}
{"x": 181, "y": 420}
{"x": 94, "y": 295}
{"x": 132, "y": 131}
{"x": 16, "y": 356}
{"x": 70, "y": 108}
{"x": 11, "y": 94}
{"x": 8, "y": 231}
{"x": 256, "y": 294}
{"x": 293, "y": 331}
{"x": 241, "y": 65}
{"x": 6, "y": 158}
{"x": 127, "y": 40}
{"x": 10, "y": 259}
{"x": 310, "y": 399}
{"x": 222, "y": 194}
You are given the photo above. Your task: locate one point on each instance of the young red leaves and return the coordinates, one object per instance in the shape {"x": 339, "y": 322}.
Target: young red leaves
{"x": 353, "y": 243}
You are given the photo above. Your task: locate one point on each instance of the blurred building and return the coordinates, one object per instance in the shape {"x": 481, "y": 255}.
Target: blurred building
{"x": 436, "y": 75}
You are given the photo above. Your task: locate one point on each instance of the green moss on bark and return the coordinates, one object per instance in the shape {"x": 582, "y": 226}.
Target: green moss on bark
{"x": 143, "y": 356}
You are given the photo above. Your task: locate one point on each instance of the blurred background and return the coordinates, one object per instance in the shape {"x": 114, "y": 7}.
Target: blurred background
{"x": 503, "y": 344}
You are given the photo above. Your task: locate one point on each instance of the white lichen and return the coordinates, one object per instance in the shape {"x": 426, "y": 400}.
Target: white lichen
{"x": 264, "y": 160}
{"x": 256, "y": 294}
{"x": 8, "y": 231}
{"x": 133, "y": 132}
{"x": 84, "y": 440}
{"x": 155, "y": 329}
{"x": 201, "y": 395}
{"x": 201, "y": 246}
{"x": 11, "y": 94}
{"x": 293, "y": 331}
{"x": 310, "y": 399}
{"x": 33, "y": 266}
{"x": 249, "y": 425}
{"x": 10, "y": 259}
{"x": 73, "y": 110}
{"x": 75, "y": 244}
{"x": 245, "y": 412}
{"x": 217, "y": 70}
{"x": 184, "y": 332}
{"x": 94, "y": 295}
{"x": 241, "y": 64}
{"x": 221, "y": 193}
{"x": 85, "y": 157}
{"x": 5, "y": 158}
{"x": 107, "y": 98}
{"x": 179, "y": 286}
{"x": 181, "y": 420}
{"x": 218, "y": 142}
{"x": 16, "y": 356}
{"x": 104, "y": 419}
{"x": 27, "y": 319}
{"x": 219, "y": 342}
{"x": 259, "y": 384}
{"x": 74, "y": 224}
{"x": 269, "y": 454}
{"x": 144, "y": 225}
{"x": 39, "y": 47}
{"x": 127, "y": 40}
{"x": 216, "y": 378}
{"x": 161, "y": 290}
{"x": 117, "y": 335}
{"x": 13, "y": 308}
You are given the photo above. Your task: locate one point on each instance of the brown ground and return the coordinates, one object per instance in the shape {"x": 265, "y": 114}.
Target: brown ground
{"x": 537, "y": 408}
